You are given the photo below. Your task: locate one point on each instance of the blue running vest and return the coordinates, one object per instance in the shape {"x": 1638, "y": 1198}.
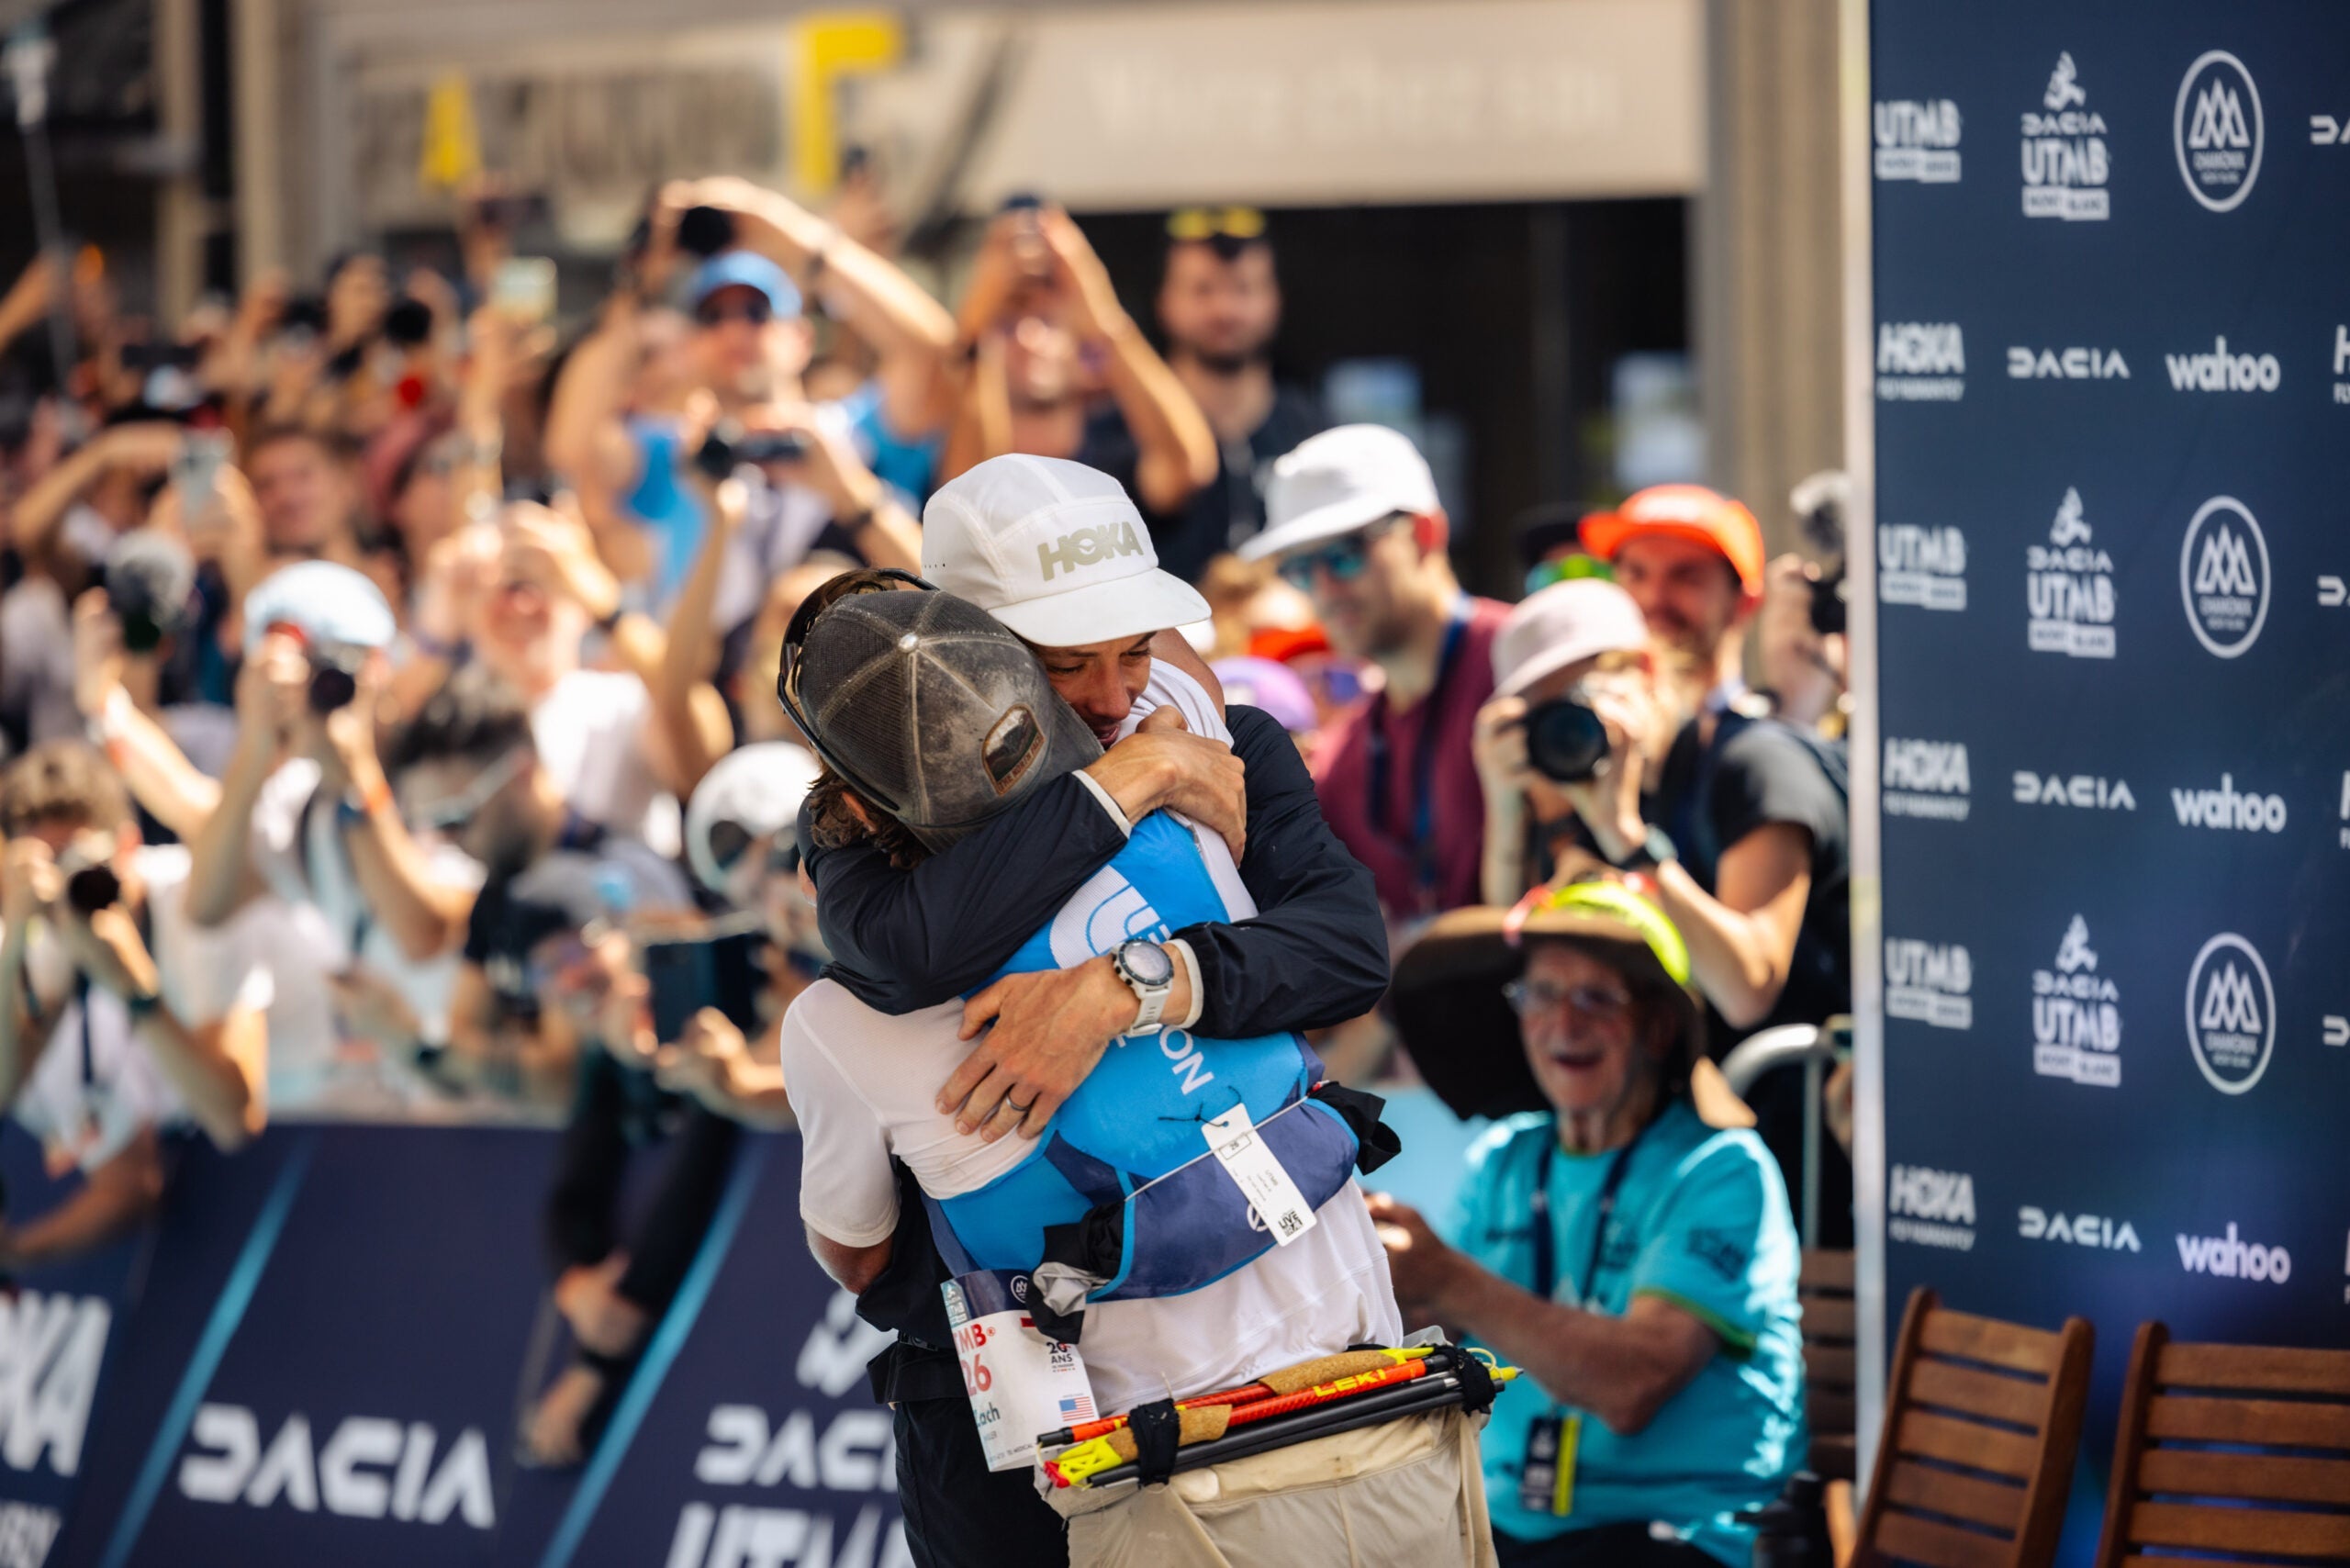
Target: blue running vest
{"x": 1125, "y": 1164}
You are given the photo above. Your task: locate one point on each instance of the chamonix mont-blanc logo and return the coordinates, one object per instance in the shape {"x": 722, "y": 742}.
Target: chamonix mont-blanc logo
{"x": 2068, "y": 586}
{"x": 2216, "y": 130}
{"x": 2077, "y": 1016}
{"x": 1917, "y": 140}
{"x": 2223, "y": 575}
{"x": 2231, "y": 1013}
{"x": 2065, "y": 165}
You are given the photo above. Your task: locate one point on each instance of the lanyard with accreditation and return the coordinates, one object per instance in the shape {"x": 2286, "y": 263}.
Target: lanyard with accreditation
{"x": 1546, "y": 1484}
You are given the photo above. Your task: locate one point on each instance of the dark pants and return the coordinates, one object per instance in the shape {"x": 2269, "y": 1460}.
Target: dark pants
{"x": 958, "y": 1513}
{"x": 582, "y": 1209}
{"x": 1602, "y": 1546}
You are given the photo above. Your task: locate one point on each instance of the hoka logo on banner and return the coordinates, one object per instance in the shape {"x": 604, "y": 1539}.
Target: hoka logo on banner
{"x": 2077, "y": 1016}
{"x": 1930, "y": 1208}
{"x": 1926, "y": 778}
{"x": 2220, "y": 370}
{"x": 2065, "y": 162}
{"x": 2231, "y": 1013}
{"x": 2229, "y": 1258}
{"x": 2228, "y": 807}
{"x": 2223, "y": 576}
{"x": 1924, "y": 566}
{"x": 2068, "y": 588}
{"x": 2217, "y": 130}
{"x": 1929, "y": 982}
{"x": 1917, "y": 140}
{"x": 1920, "y": 362}
{"x": 52, "y": 1346}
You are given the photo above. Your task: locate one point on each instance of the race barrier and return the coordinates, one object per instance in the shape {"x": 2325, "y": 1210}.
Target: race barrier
{"x": 2109, "y": 775}
{"x": 317, "y": 1355}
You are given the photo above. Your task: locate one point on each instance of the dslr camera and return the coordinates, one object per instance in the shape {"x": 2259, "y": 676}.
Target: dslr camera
{"x": 334, "y": 676}
{"x": 1565, "y": 738}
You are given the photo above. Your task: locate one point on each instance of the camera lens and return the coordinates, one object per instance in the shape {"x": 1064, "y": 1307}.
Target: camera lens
{"x": 705, "y": 230}
{"x": 1565, "y": 740}
{"x": 1828, "y": 608}
{"x": 331, "y": 686}
{"x": 92, "y": 889}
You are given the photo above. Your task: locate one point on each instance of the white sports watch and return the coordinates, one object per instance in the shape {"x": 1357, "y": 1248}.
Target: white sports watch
{"x": 1148, "y": 970}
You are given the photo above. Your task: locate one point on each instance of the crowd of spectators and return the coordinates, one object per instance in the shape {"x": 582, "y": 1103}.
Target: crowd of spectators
{"x": 387, "y": 678}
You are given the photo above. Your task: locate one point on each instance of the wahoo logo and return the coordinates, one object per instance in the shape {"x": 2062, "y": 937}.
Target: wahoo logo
{"x": 1924, "y": 566}
{"x": 2075, "y": 1230}
{"x": 1929, "y": 982}
{"x": 2228, "y": 807}
{"x": 2229, "y": 1258}
{"x": 2067, "y": 365}
{"x": 1084, "y": 546}
{"x": 2065, "y": 162}
{"x": 2223, "y": 576}
{"x": 2220, "y": 370}
{"x": 1926, "y": 778}
{"x": 346, "y": 1475}
{"x": 2217, "y": 130}
{"x": 1930, "y": 1208}
{"x": 1920, "y": 362}
{"x": 2231, "y": 1013}
{"x": 2082, "y": 790}
{"x": 1917, "y": 140}
{"x": 2077, "y": 1016}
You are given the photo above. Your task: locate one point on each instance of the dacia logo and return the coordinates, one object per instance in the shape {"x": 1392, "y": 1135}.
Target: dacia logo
{"x": 2231, "y": 1013}
{"x": 370, "y": 1468}
{"x": 1085, "y": 546}
{"x": 2216, "y": 130}
{"x": 2076, "y": 1230}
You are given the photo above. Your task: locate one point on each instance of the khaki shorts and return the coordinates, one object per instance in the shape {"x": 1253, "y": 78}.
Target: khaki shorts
{"x": 1409, "y": 1494}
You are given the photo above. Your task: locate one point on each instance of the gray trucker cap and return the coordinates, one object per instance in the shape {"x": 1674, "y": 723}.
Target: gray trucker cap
{"x": 933, "y": 707}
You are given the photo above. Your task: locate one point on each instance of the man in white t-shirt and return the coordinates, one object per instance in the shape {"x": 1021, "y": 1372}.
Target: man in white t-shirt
{"x": 1184, "y": 1279}
{"x": 117, "y": 1016}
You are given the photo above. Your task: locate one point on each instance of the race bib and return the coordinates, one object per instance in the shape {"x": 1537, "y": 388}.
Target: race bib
{"x": 1019, "y": 1383}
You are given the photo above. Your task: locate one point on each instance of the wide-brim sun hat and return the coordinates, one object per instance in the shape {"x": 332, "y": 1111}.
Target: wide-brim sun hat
{"x": 1461, "y": 1029}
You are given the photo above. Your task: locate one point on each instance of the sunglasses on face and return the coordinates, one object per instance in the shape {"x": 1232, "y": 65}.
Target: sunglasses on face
{"x": 1193, "y": 223}
{"x": 718, "y": 312}
{"x": 1533, "y": 999}
{"x": 453, "y": 815}
{"x": 1342, "y": 559}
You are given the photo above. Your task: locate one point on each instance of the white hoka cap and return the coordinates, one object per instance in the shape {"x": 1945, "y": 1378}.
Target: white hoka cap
{"x": 1054, "y": 550}
{"x": 1340, "y": 481}
{"x": 1562, "y": 624}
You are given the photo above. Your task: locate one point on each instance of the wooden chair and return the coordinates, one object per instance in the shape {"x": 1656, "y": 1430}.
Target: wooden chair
{"x": 1981, "y": 1420}
{"x": 1830, "y": 1408}
{"x": 2218, "y": 1443}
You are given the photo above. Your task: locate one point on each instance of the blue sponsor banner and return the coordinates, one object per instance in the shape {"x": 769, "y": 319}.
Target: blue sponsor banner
{"x": 2111, "y": 361}
{"x": 320, "y": 1351}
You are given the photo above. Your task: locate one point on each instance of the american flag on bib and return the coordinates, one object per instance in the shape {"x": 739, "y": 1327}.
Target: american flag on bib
{"x": 1077, "y": 1407}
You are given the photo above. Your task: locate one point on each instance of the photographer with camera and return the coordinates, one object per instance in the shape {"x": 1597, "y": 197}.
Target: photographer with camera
{"x": 304, "y": 811}
{"x": 118, "y": 1016}
{"x": 1801, "y": 646}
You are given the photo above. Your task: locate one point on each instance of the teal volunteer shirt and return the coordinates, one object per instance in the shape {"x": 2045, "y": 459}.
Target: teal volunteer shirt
{"x": 1701, "y": 1221}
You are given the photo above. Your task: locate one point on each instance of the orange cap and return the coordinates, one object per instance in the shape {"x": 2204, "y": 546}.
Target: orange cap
{"x": 1683, "y": 512}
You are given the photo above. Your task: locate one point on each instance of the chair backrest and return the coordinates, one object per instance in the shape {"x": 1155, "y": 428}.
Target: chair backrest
{"x": 1830, "y": 1409}
{"x": 2216, "y": 1445}
{"x": 1981, "y": 1420}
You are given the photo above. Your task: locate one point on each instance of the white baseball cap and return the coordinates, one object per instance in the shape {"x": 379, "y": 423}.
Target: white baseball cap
{"x": 1337, "y": 482}
{"x": 1562, "y": 624}
{"x": 1054, "y": 550}
{"x": 759, "y": 790}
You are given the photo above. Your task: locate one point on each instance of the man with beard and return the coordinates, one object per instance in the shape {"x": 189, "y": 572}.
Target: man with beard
{"x": 1219, "y": 305}
{"x": 1354, "y": 522}
{"x": 1693, "y": 561}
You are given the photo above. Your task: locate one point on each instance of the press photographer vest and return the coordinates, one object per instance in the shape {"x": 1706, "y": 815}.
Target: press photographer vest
{"x": 1122, "y": 1188}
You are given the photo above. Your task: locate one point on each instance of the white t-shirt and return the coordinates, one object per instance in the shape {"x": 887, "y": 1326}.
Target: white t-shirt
{"x": 314, "y": 921}
{"x": 863, "y": 1084}
{"x": 589, "y": 731}
{"x": 85, "y": 1111}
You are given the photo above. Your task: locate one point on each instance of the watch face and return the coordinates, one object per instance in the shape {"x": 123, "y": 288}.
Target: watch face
{"x": 1148, "y": 962}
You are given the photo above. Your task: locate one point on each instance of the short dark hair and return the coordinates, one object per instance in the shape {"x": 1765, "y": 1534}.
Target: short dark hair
{"x": 63, "y": 783}
{"x": 335, "y": 446}
{"x": 474, "y": 717}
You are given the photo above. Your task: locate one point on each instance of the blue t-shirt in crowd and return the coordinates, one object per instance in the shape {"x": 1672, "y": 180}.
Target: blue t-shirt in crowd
{"x": 1701, "y": 1221}
{"x": 666, "y": 502}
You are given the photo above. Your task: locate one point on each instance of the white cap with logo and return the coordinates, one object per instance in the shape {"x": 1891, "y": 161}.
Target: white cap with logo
{"x": 1340, "y": 481}
{"x": 1054, "y": 550}
{"x": 1564, "y": 624}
